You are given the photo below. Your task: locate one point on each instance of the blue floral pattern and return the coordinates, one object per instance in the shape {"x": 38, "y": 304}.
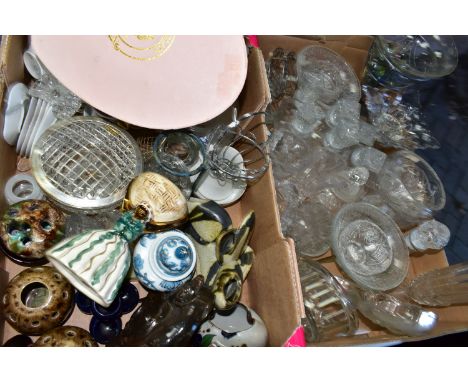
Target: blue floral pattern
{"x": 173, "y": 256}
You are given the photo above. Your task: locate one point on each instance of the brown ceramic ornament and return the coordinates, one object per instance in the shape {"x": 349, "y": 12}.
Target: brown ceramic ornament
{"x": 28, "y": 229}
{"x": 37, "y": 299}
{"x": 164, "y": 200}
{"x": 168, "y": 319}
{"x": 69, "y": 336}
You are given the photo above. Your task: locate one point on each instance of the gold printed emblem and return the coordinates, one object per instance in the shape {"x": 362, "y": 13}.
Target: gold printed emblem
{"x": 142, "y": 47}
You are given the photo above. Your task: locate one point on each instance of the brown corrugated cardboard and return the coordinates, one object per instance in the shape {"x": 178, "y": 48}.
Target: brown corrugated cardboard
{"x": 271, "y": 288}
{"x": 451, "y": 319}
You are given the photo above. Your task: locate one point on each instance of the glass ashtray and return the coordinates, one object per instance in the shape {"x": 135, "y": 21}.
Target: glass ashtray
{"x": 84, "y": 164}
{"x": 369, "y": 247}
{"x": 329, "y": 312}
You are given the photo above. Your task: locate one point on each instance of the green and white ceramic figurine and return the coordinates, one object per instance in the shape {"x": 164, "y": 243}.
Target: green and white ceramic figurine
{"x": 96, "y": 262}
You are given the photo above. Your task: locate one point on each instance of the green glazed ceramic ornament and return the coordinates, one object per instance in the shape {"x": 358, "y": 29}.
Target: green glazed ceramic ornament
{"x": 207, "y": 219}
{"x": 28, "y": 229}
{"x": 226, "y": 262}
{"x": 96, "y": 262}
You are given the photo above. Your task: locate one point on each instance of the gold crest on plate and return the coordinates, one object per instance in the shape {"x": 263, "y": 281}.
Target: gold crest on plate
{"x": 142, "y": 47}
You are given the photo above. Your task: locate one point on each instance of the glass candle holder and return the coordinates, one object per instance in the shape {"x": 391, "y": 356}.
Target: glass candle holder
{"x": 180, "y": 146}
{"x": 329, "y": 312}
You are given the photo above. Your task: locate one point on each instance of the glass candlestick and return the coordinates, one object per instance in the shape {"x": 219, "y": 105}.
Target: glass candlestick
{"x": 430, "y": 235}
{"x": 441, "y": 287}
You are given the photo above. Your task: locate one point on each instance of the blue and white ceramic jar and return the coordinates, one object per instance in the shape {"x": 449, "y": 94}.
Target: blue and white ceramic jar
{"x": 164, "y": 261}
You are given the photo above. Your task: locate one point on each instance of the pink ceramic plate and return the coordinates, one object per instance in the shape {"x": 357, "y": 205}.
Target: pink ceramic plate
{"x": 159, "y": 82}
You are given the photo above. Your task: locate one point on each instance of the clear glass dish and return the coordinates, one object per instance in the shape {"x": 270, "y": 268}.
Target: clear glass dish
{"x": 398, "y": 61}
{"x": 411, "y": 187}
{"x": 369, "y": 247}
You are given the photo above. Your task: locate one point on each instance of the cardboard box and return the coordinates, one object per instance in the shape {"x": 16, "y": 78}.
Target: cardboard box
{"x": 272, "y": 288}
{"x": 451, "y": 319}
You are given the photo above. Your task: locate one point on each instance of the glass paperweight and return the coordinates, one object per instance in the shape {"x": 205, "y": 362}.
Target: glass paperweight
{"x": 441, "y": 287}
{"x": 430, "y": 235}
{"x": 369, "y": 247}
{"x": 171, "y": 148}
{"x": 327, "y": 74}
{"x": 398, "y": 61}
{"x": 329, "y": 312}
{"x": 85, "y": 164}
{"x": 411, "y": 187}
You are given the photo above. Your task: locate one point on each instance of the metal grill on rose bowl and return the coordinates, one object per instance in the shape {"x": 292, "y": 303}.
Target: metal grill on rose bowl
{"x": 86, "y": 163}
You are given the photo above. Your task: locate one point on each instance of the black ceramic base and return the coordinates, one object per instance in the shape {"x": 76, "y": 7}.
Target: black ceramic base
{"x": 21, "y": 260}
